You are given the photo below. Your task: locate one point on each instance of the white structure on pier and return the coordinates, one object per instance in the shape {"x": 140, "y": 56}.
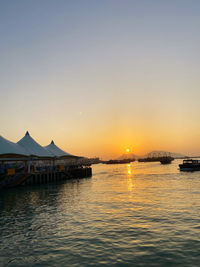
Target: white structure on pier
{"x": 8, "y": 147}
{"x": 28, "y": 147}
{"x": 56, "y": 151}
{"x": 32, "y": 148}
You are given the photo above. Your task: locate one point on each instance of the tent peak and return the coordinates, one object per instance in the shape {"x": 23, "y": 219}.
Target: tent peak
{"x": 32, "y": 147}
{"x": 56, "y": 151}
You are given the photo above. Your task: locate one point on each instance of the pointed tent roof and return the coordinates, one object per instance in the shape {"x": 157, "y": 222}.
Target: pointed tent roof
{"x": 32, "y": 147}
{"x": 56, "y": 151}
{"x": 8, "y": 147}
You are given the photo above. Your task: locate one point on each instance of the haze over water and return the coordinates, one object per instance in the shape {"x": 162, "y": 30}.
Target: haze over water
{"x": 139, "y": 214}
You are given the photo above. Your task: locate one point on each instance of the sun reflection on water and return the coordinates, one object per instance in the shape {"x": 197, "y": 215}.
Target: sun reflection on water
{"x": 129, "y": 169}
{"x": 129, "y": 180}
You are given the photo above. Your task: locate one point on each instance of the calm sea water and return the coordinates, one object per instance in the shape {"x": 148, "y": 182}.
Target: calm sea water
{"x": 142, "y": 214}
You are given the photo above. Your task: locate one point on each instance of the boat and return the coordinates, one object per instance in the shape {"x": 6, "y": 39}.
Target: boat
{"x": 163, "y": 159}
{"x": 190, "y": 165}
{"x": 120, "y": 161}
{"x": 148, "y": 159}
{"x": 166, "y": 160}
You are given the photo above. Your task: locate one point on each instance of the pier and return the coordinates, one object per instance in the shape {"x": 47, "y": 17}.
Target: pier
{"x": 27, "y": 163}
{"x": 23, "y": 179}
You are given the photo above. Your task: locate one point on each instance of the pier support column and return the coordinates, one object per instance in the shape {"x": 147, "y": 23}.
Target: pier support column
{"x": 29, "y": 166}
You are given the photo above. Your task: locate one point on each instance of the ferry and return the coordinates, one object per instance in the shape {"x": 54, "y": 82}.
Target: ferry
{"x": 190, "y": 165}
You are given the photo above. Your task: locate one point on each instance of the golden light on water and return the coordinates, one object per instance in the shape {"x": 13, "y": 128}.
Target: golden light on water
{"x": 129, "y": 171}
{"x": 129, "y": 176}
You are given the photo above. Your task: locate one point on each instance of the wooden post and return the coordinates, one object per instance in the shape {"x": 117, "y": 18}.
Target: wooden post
{"x": 29, "y": 166}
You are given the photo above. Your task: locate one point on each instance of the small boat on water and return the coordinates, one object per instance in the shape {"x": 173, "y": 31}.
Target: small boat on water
{"x": 120, "y": 161}
{"x": 166, "y": 160}
{"x": 190, "y": 165}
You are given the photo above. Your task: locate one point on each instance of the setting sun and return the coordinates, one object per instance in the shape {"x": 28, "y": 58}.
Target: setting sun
{"x": 127, "y": 150}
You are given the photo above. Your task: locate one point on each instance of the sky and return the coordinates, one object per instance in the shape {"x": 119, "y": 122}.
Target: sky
{"x": 98, "y": 77}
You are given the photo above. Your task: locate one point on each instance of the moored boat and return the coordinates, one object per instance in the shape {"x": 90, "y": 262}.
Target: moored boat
{"x": 166, "y": 160}
{"x": 190, "y": 165}
{"x": 163, "y": 159}
{"x": 119, "y": 161}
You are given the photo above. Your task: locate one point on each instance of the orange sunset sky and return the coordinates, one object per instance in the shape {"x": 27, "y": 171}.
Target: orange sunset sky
{"x": 98, "y": 77}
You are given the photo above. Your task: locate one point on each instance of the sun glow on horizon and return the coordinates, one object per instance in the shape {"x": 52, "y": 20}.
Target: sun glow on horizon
{"x": 107, "y": 101}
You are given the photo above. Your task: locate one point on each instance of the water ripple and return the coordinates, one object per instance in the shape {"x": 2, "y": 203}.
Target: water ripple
{"x": 136, "y": 215}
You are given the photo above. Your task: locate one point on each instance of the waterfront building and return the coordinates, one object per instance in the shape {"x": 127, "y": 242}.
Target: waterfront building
{"x": 27, "y": 162}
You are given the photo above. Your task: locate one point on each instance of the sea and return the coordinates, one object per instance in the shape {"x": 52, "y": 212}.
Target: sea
{"x": 138, "y": 214}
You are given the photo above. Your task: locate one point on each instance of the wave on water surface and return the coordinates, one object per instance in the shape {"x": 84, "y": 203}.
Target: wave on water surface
{"x": 125, "y": 215}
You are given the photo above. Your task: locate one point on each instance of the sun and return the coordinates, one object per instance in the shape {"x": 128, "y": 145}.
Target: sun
{"x": 127, "y": 150}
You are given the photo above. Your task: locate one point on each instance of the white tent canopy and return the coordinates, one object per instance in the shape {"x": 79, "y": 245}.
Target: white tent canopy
{"x": 56, "y": 151}
{"x": 32, "y": 147}
{"x": 8, "y": 147}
